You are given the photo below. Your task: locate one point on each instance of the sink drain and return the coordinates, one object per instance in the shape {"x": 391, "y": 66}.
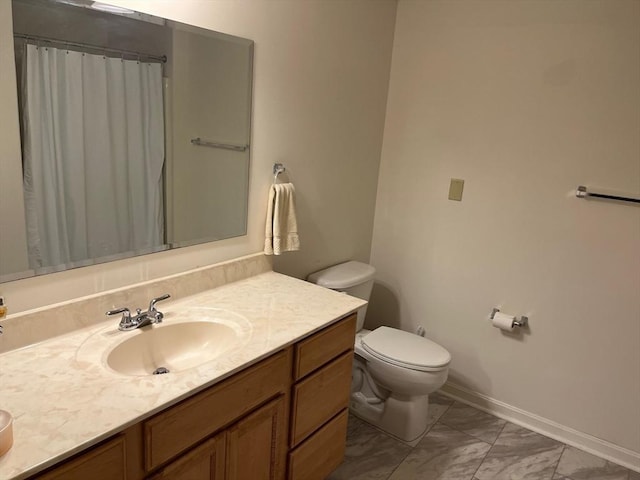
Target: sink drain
{"x": 160, "y": 371}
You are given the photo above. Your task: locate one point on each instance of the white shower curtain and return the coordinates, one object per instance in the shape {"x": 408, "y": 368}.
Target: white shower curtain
{"x": 93, "y": 156}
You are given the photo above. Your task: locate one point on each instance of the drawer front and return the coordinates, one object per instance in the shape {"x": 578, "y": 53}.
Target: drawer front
{"x": 106, "y": 462}
{"x": 325, "y": 345}
{"x": 320, "y": 396}
{"x": 175, "y": 430}
{"x": 321, "y": 453}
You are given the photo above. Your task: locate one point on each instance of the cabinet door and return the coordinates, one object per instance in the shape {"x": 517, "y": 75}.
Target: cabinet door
{"x": 205, "y": 462}
{"x": 105, "y": 462}
{"x": 256, "y": 445}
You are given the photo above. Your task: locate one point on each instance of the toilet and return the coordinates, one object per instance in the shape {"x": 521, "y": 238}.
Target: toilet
{"x": 393, "y": 371}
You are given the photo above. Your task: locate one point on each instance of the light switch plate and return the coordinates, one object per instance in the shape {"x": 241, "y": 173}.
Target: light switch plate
{"x": 455, "y": 189}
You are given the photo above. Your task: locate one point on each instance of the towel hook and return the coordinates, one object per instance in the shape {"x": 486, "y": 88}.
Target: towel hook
{"x": 278, "y": 168}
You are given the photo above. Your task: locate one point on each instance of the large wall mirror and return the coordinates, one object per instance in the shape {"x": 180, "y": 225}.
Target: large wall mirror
{"x": 135, "y": 134}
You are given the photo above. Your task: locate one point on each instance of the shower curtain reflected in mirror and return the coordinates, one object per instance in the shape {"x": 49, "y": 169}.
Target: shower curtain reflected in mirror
{"x": 93, "y": 156}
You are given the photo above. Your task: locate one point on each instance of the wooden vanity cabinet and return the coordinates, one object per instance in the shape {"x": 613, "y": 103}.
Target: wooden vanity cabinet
{"x": 247, "y": 450}
{"x": 285, "y": 417}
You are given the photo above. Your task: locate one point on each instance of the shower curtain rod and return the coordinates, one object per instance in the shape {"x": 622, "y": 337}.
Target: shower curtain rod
{"x": 35, "y": 38}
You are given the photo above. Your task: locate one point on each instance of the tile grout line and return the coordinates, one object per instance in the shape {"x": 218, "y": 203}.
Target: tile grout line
{"x": 467, "y": 434}
{"x": 555, "y": 469}
{"x": 487, "y": 454}
{"x": 473, "y": 436}
{"x": 501, "y": 430}
{"x": 413, "y": 448}
{"x": 470, "y": 435}
{"x": 401, "y": 461}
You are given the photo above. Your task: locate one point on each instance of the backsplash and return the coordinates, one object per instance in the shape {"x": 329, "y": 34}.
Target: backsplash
{"x": 40, "y": 324}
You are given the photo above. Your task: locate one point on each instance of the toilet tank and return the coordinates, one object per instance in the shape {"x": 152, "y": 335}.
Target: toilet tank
{"x": 353, "y": 278}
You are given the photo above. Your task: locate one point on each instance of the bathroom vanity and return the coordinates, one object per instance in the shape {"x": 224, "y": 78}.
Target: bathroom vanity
{"x": 239, "y": 429}
{"x": 274, "y": 407}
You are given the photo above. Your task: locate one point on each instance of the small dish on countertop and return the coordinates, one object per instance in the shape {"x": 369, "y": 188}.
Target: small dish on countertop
{"x": 6, "y": 432}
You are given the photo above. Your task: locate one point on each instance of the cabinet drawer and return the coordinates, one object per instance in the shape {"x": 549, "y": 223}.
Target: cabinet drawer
{"x": 325, "y": 345}
{"x": 321, "y": 453}
{"x": 106, "y": 462}
{"x": 175, "y": 430}
{"x": 320, "y": 396}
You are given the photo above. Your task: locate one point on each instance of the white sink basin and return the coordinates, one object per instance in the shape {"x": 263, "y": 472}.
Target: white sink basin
{"x": 185, "y": 340}
{"x": 174, "y": 347}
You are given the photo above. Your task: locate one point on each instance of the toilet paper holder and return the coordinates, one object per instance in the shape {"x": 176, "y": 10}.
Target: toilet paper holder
{"x": 523, "y": 322}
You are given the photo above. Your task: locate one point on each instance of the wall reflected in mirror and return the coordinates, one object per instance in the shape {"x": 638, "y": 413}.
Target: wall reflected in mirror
{"x": 111, "y": 106}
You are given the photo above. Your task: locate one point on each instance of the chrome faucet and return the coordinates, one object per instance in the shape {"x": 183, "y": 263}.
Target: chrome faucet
{"x": 141, "y": 319}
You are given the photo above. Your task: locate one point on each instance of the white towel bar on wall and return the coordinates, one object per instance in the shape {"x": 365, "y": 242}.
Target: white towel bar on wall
{"x": 583, "y": 192}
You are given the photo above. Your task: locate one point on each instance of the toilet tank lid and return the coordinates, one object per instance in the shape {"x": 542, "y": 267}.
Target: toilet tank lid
{"x": 344, "y": 275}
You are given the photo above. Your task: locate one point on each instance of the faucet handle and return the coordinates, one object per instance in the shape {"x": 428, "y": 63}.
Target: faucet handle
{"x": 123, "y": 310}
{"x": 125, "y": 321}
{"x": 152, "y": 303}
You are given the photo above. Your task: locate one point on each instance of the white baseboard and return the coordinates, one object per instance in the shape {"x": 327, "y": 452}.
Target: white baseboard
{"x": 601, "y": 448}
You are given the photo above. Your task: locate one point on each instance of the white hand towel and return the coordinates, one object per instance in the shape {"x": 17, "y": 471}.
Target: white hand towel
{"x": 281, "y": 231}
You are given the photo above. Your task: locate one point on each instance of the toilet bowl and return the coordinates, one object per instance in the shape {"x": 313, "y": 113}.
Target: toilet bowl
{"x": 393, "y": 371}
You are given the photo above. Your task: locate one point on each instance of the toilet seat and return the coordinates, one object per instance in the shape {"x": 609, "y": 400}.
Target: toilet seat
{"x": 405, "y": 349}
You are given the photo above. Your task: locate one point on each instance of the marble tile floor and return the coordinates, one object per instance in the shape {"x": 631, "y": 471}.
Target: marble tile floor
{"x": 466, "y": 444}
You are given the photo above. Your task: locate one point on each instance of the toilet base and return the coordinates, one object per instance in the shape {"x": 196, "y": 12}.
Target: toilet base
{"x": 405, "y": 418}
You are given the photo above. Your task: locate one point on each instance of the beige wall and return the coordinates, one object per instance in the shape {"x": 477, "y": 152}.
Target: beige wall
{"x": 320, "y": 82}
{"x": 523, "y": 100}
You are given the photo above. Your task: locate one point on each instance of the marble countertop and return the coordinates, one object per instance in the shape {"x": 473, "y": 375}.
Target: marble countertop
{"x": 64, "y": 398}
